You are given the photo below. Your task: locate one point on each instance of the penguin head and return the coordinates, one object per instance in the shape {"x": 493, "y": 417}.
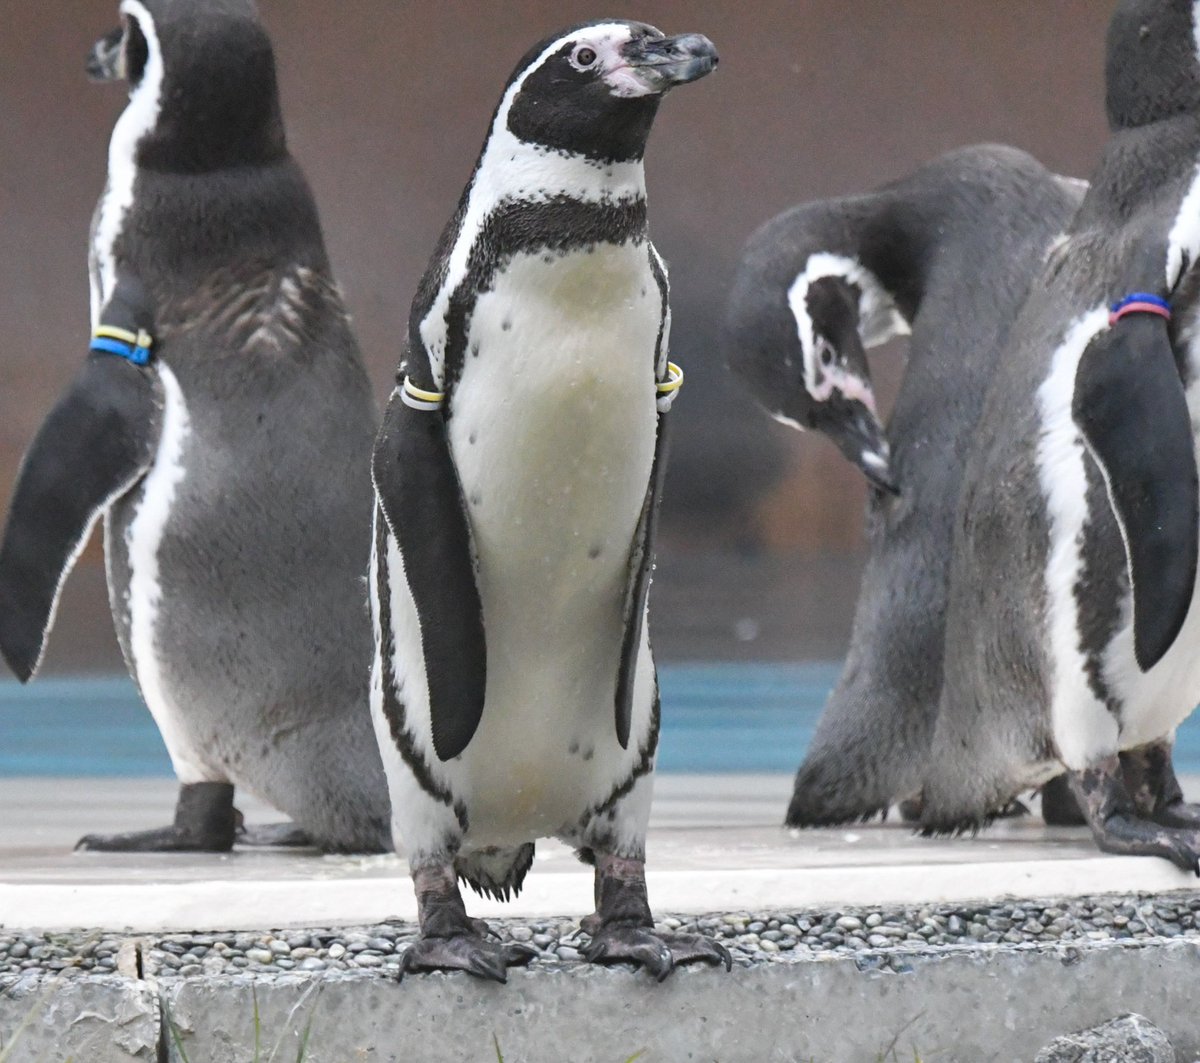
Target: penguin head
{"x": 593, "y": 90}
{"x": 801, "y": 351}
{"x": 1153, "y": 66}
{"x": 202, "y": 87}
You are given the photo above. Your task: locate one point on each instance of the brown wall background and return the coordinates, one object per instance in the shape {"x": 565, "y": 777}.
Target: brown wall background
{"x": 387, "y": 103}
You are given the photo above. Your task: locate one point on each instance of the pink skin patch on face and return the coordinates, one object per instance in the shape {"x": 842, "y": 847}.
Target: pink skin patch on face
{"x": 851, "y": 386}
{"x": 613, "y": 67}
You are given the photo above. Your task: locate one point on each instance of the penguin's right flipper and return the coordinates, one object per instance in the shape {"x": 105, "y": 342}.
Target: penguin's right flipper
{"x": 421, "y": 499}
{"x": 1130, "y": 404}
{"x": 97, "y": 442}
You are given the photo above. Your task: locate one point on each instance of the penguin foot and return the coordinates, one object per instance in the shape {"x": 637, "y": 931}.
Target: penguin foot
{"x": 1059, "y": 807}
{"x": 466, "y": 952}
{"x": 1179, "y": 815}
{"x": 205, "y": 822}
{"x": 1119, "y": 827}
{"x": 163, "y": 840}
{"x": 658, "y": 954}
{"x": 622, "y": 928}
{"x": 1129, "y": 836}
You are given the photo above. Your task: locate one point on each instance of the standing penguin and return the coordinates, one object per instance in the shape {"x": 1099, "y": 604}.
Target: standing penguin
{"x": 816, "y": 286}
{"x": 1072, "y": 632}
{"x": 518, "y": 471}
{"x": 222, "y": 426}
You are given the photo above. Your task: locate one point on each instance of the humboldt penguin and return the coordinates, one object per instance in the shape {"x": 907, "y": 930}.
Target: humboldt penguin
{"x": 1073, "y": 640}
{"x": 518, "y": 471}
{"x": 221, "y": 427}
{"x": 819, "y": 285}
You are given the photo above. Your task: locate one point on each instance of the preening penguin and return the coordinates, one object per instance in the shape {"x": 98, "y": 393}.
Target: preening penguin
{"x": 816, "y": 287}
{"x": 222, "y": 428}
{"x": 517, "y": 472}
{"x": 1072, "y": 631}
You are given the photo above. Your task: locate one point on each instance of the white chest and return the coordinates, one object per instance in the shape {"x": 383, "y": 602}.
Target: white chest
{"x": 554, "y": 423}
{"x": 553, "y": 432}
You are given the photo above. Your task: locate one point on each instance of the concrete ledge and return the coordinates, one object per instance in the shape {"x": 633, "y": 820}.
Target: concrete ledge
{"x": 98, "y": 1019}
{"x": 989, "y": 1004}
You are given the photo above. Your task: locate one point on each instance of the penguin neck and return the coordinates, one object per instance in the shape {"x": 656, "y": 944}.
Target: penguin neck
{"x": 513, "y": 170}
{"x": 1138, "y": 163}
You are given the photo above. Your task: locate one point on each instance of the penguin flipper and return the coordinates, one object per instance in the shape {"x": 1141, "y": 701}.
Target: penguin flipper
{"x": 1130, "y": 404}
{"x": 421, "y": 499}
{"x": 97, "y": 442}
{"x": 641, "y": 565}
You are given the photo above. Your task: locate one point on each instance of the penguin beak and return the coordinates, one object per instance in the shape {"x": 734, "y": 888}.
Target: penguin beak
{"x": 106, "y": 60}
{"x": 857, "y": 433}
{"x": 661, "y": 63}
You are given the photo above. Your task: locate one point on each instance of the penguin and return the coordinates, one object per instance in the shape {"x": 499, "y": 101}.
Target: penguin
{"x": 816, "y": 287}
{"x": 517, "y": 473}
{"x": 221, "y": 428}
{"x": 1072, "y": 630}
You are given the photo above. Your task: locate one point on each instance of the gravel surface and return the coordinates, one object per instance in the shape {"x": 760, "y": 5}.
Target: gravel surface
{"x": 875, "y": 936}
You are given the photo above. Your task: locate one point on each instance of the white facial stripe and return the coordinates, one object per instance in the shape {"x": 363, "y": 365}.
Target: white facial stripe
{"x": 1083, "y": 727}
{"x": 512, "y": 170}
{"x": 138, "y": 119}
{"x": 878, "y": 318}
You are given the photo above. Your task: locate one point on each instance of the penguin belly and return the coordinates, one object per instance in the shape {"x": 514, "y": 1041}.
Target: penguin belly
{"x": 553, "y": 432}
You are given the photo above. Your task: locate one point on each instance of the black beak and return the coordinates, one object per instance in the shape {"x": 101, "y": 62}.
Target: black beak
{"x": 857, "y": 433}
{"x": 105, "y": 60}
{"x": 664, "y": 62}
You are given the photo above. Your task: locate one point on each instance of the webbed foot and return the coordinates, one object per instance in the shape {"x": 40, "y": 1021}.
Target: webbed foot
{"x": 205, "y": 822}
{"x": 450, "y": 940}
{"x": 1117, "y": 825}
{"x": 622, "y": 928}
{"x": 466, "y": 952}
{"x": 1059, "y": 807}
{"x": 1149, "y": 773}
{"x": 658, "y": 954}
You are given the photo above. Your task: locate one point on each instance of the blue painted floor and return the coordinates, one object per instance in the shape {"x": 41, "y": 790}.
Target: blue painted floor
{"x": 720, "y": 718}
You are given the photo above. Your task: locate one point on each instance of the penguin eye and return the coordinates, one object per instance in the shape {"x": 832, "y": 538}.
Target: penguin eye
{"x": 137, "y": 52}
{"x": 824, "y": 353}
{"x": 584, "y": 57}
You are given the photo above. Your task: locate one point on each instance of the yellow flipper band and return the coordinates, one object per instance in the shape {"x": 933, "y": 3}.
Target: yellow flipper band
{"x": 132, "y": 346}
{"x": 419, "y": 399}
{"x": 669, "y": 388}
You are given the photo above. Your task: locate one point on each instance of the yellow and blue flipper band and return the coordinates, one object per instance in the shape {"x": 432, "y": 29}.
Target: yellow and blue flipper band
{"x": 669, "y": 388}
{"x": 132, "y": 346}
{"x": 418, "y": 399}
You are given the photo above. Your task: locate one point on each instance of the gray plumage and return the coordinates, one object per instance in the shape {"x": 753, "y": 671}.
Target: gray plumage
{"x": 1055, "y": 655}
{"x": 953, "y": 246}
{"x": 237, "y": 562}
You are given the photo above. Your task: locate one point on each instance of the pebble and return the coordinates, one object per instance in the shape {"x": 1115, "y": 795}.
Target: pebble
{"x": 755, "y": 937}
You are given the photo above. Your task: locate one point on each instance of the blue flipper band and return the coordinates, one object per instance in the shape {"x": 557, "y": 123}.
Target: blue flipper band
{"x": 138, "y": 353}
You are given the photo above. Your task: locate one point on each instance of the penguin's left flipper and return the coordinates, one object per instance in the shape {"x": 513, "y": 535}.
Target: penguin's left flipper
{"x": 1129, "y": 402}
{"x": 641, "y": 566}
{"x": 97, "y": 442}
{"x": 422, "y": 502}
